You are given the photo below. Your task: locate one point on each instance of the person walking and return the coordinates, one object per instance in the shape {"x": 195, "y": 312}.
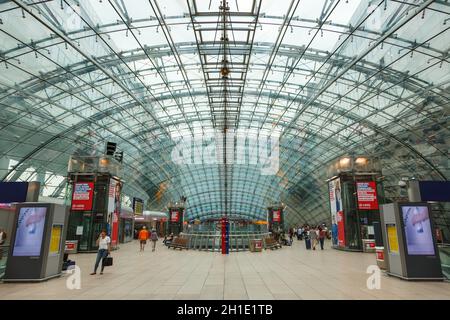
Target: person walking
{"x": 307, "y": 239}
{"x": 104, "y": 248}
{"x": 154, "y": 238}
{"x": 143, "y": 237}
{"x": 322, "y": 235}
{"x": 313, "y": 235}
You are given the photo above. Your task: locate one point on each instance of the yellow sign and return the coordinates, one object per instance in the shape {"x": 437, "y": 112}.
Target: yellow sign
{"x": 55, "y": 239}
{"x": 392, "y": 238}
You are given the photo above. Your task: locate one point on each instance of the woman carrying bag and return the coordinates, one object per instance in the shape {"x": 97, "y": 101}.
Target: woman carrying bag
{"x": 104, "y": 248}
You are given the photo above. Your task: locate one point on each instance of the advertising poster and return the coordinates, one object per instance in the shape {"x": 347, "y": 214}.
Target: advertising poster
{"x": 276, "y": 216}
{"x": 55, "y": 239}
{"x": 82, "y": 196}
{"x": 341, "y": 228}
{"x": 334, "y": 187}
{"x": 367, "y": 195}
{"x": 392, "y": 238}
{"x": 418, "y": 233}
{"x": 116, "y": 213}
{"x": 138, "y": 206}
{"x": 174, "y": 216}
{"x": 30, "y": 231}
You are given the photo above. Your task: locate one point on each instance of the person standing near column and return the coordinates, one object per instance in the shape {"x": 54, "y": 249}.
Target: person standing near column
{"x": 154, "y": 238}
{"x": 104, "y": 248}
{"x": 322, "y": 235}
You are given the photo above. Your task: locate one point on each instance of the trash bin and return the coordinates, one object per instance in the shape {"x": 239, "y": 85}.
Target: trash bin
{"x": 256, "y": 245}
{"x": 368, "y": 245}
{"x": 381, "y": 263}
{"x": 71, "y": 246}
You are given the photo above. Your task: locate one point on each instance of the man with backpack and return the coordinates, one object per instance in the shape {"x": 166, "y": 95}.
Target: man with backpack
{"x": 154, "y": 238}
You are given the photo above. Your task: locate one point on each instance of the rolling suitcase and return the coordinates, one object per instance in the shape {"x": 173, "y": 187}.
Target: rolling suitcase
{"x": 308, "y": 244}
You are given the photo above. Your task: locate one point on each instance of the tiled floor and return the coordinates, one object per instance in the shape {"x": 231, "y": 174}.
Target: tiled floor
{"x": 289, "y": 273}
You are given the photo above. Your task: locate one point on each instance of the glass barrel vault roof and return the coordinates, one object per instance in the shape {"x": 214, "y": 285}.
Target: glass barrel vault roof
{"x": 329, "y": 78}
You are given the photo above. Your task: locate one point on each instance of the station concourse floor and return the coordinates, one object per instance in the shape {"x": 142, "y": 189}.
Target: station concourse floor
{"x": 287, "y": 273}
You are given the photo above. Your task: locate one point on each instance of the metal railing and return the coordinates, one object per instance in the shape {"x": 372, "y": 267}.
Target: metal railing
{"x": 211, "y": 241}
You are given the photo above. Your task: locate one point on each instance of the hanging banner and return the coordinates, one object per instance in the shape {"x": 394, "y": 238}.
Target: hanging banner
{"x": 276, "y": 216}
{"x": 114, "y": 207}
{"x": 334, "y": 187}
{"x": 367, "y": 195}
{"x": 341, "y": 228}
{"x": 82, "y": 196}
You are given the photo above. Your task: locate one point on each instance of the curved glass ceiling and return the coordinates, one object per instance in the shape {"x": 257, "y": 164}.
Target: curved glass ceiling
{"x": 318, "y": 78}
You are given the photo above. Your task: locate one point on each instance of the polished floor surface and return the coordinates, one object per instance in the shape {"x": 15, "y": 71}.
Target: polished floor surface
{"x": 288, "y": 273}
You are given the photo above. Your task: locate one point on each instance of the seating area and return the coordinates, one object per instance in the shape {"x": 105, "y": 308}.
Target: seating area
{"x": 179, "y": 243}
{"x": 271, "y": 243}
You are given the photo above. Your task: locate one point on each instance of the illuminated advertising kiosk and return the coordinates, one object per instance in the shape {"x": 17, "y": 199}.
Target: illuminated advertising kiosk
{"x": 355, "y": 191}
{"x": 175, "y": 223}
{"x": 95, "y": 188}
{"x": 276, "y": 218}
{"x": 410, "y": 246}
{"x": 37, "y": 242}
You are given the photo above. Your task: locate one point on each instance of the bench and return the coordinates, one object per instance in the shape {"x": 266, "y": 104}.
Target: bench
{"x": 271, "y": 243}
{"x": 179, "y": 243}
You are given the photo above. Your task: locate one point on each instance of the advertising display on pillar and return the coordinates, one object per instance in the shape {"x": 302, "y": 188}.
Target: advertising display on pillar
{"x": 225, "y": 231}
{"x": 175, "y": 216}
{"x": 340, "y": 228}
{"x": 276, "y": 216}
{"x": 114, "y": 207}
{"x": 82, "y": 196}
{"x": 367, "y": 195}
{"x": 334, "y": 187}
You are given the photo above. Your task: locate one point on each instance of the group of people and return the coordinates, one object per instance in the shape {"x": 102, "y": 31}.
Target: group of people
{"x": 317, "y": 234}
{"x": 313, "y": 235}
{"x": 104, "y": 245}
{"x": 144, "y": 235}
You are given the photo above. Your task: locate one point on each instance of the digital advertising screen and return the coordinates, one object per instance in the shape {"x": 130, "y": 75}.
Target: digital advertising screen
{"x": 367, "y": 195}
{"x": 82, "y": 196}
{"x": 30, "y": 231}
{"x": 418, "y": 232}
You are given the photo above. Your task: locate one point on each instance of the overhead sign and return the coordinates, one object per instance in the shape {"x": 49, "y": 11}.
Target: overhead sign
{"x": 82, "y": 196}
{"x": 367, "y": 195}
{"x": 138, "y": 206}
